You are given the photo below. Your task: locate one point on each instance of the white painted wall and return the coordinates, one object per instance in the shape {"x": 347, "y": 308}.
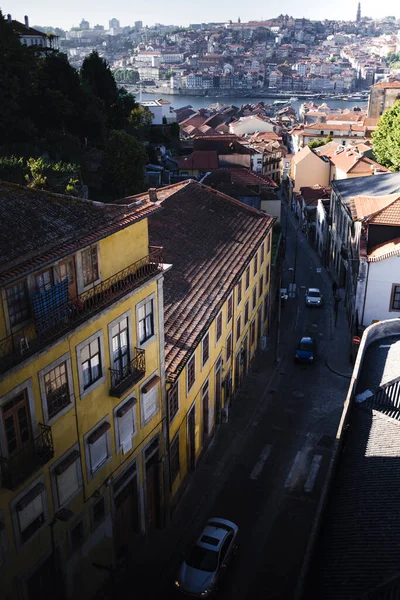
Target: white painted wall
{"x": 382, "y": 275}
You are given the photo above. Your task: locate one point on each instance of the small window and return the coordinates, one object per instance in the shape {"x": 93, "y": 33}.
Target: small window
{"x": 91, "y": 363}
{"x": 90, "y": 265}
{"x": 255, "y": 265}
{"x": 267, "y": 275}
{"x": 269, "y": 243}
{"x": 149, "y": 399}
{"x": 191, "y": 372}
{"x": 261, "y": 286}
{"x": 66, "y": 271}
{"x": 239, "y": 292}
{"x": 18, "y": 303}
{"x": 31, "y": 512}
{"x": 262, "y": 254}
{"x": 173, "y": 402}
{"x": 230, "y": 308}
{"x": 252, "y": 332}
{"x": 247, "y": 278}
{"x": 395, "y": 301}
{"x": 120, "y": 345}
{"x": 246, "y": 312}
{"x": 57, "y": 390}
{"x": 229, "y": 346}
{"x": 254, "y": 297}
{"x": 174, "y": 458}
{"x": 205, "y": 349}
{"x": 67, "y": 477}
{"x": 146, "y": 321}
{"x": 98, "y": 512}
{"x": 238, "y": 327}
{"x": 265, "y": 307}
{"x": 99, "y": 446}
{"x": 125, "y": 421}
{"x": 218, "y": 327}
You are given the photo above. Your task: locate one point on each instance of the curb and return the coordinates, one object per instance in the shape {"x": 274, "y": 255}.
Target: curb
{"x": 336, "y": 371}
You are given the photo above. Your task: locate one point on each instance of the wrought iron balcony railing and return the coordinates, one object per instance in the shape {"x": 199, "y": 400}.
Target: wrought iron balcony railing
{"x": 123, "y": 379}
{"x": 55, "y": 322}
{"x": 17, "y": 468}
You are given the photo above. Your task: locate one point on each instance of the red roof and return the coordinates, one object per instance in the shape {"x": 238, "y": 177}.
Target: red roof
{"x": 385, "y": 250}
{"x": 199, "y": 159}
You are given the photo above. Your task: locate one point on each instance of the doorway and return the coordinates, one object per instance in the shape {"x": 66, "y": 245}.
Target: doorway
{"x": 127, "y": 521}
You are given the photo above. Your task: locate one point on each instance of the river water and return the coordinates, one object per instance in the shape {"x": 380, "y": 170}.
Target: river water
{"x": 202, "y": 102}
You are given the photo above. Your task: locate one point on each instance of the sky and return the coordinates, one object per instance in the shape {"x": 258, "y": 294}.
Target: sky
{"x": 183, "y": 12}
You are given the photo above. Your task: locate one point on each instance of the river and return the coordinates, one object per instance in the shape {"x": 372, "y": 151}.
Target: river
{"x": 202, "y": 102}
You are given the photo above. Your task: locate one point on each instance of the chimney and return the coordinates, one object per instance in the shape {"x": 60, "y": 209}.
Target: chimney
{"x": 153, "y": 194}
{"x": 9, "y": 19}
{"x": 26, "y": 22}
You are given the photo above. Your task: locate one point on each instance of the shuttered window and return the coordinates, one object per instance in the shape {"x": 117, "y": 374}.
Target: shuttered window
{"x": 68, "y": 479}
{"x": 99, "y": 446}
{"x": 30, "y": 512}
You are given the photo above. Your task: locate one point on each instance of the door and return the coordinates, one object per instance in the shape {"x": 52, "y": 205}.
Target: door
{"x": 17, "y": 424}
{"x": 66, "y": 269}
{"x": 191, "y": 440}
{"x": 206, "y": 410}
{"x": 152, "y": 493}
{"x": 218, "y": 403}
{"x": 127, "y": 525}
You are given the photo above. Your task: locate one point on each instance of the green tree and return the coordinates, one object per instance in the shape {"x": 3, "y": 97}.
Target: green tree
{"x": 37, "y": 178}
{"x": 386, "y": 138}
{"x": 328, "y": 138}
{"x": 124, "y": 159}
{"x": 316, "y": 143}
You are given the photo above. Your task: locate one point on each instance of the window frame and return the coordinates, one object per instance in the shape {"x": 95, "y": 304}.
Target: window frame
{"x": 239, "y": 292}
{"x": 238, "y": 327}
{"x": 253, "y": 332}
{"x": 392, "y": 297}
{"x": 218, "y": 325}
{"x": 246, "y": 313}
{"x": 254, "y": 298}
{"x": 174, "y": 389}
{"x": 229, "y": 346}
{"x": 191, "y": 360}
{"x": 229, "y": 308}
{"x": 267, "y": 274}
{"x": 53, "y": 475}
{"x": 175, "y": 441}
{"x": 268, "y": 243}
{"x": 261, "y": 286}
{"x": 262, "y": 254}
{"x": 247, "y": 284}
{"x": 83, "y": 392}
{"x": 20, "y": 324}
{"x": 93, "y": 282}
{"x": 117, "y": 433}
{"x": 205, "y": 337}
{"x": 126, "y": 315}
{"x": 107, "y": 434}
{"x": 151, "y": 298}
{"x": 14, "y": 512}
{"x": 65, "y": 358}
{"x": 255, "y": 264}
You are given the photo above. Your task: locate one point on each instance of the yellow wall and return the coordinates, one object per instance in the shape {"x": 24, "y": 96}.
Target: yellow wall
{"x": 311, "y": 170}
{"x": 117, "y": 251}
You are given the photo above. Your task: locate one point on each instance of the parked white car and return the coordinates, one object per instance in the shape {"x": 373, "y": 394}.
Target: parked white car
{"x": 313, "y": 297}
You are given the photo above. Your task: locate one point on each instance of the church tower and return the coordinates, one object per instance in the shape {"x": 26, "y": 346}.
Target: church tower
{"x": 358, "y": 19}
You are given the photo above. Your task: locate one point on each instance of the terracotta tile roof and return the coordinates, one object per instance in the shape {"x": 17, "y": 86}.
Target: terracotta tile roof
{"x": 334, "y": 127}
{"x": 389, "y": 215}
{"x": 21, "y": 29}
{"x": 387, "y": 85}
{"x": 193, "y": 121}
{"x": 385, "y": 250}
{"x": 199, "y": 159}
{"x": 209, "y": 238}
{"x": 311, "y": 194}
{"x": 365, "y": 206}
{"x": 40, "y": 227}
{"x": 248, "y": 177}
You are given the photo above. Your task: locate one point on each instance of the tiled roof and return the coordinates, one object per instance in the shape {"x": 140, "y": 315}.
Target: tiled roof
{"x": 209, "y": 239}
{"x": 388, "y": 215}
{"x": 39, "y": 227}
{"x": 335, "y": 127}
{"x": 199, "y": 159}
{"x": 382, "y": 185}
{"x": 385, "y": 250}
{"x": 311, "y": 194}
{"x": 21, "y": 29}
{"x": 387, "y": 85}
{"x": 239, "y": 176}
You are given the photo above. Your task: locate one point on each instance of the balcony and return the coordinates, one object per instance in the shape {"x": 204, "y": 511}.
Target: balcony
{"x": 18, "y": 467}
{"x": 56, "y": 322}
{"x": 122, "y": 380}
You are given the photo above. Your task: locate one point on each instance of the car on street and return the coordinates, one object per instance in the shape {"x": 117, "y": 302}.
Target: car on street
{"x": 206, "y": 563}
{"x": 313, "y": 297}
{"x": 306, "y": 351}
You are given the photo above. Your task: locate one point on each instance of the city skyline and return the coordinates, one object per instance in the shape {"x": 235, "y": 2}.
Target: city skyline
{"x": 49, "y": 14}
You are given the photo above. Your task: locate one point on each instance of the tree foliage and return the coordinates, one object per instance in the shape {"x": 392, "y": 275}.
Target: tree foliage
{"x": 386, "y": 138}
{"x": 124, "y": 159}
{"x": 316, "y": 143}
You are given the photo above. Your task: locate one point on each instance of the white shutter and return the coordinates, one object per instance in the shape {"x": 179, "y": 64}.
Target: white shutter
{"x": 30, "y": 512}
{"x": 125, "y": 427}
{"x": 67, "y": 483}
{"x": 150, "y": 403}
{"x": 98, "y": 452}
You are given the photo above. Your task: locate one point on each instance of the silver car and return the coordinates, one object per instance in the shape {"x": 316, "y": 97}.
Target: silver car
{"x": 313, "y": 297}
{"x": 207, "y": 561}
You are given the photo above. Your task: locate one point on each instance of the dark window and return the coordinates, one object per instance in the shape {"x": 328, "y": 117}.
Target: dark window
{"x": 66, "y": 271}
{"x": 267, "y": 275}
{"x": 120, "y": 344}
{"x": 173, "y": 402}
{"x": 230, "y": 308}
{"x": 238, "y": 328}
{"x": 396, "y": 297}
{"x": 18, "y": 303}
{"x": 247, "y": 278}
{"x": 228, "y": 346}
{"x": 260, "y": 291}
{"x": 255, "y": 264}
{"x": 252, "y": 332}
{"x": 91, "y": 363}
{"x": 174, "y": 458}
{"x": 239, "y": 292}
{"x": 30, "y": 512}
{"x": 57, "y": 390}
{"x": 262, "y": 254}
{"x": 191, "y": 372}
{"x": 17, "y": 423}
{"x": 146, "y": 321}
{"x": 44, "y": 281}
{"x": 90, "y": 266}
{"x": 77, "y": 536}
{"x": 205, "y": 349}
{"x": 218, "y": 327}
{"x": 266, "y": 307}
{"x": 254, "y": 296}
{"x": 98, "y": 513}
{"x": 269, "y": 243}
{"x": 246, "y": 312}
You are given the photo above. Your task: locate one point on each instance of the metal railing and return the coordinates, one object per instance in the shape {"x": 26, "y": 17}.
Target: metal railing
{"x": 25, "y": 342}
{"x": 17, "y": 468}
{"x": 122, "y": 379}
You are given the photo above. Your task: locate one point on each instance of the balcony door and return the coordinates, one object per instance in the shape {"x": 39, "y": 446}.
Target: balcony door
{"x": 66, "y": 270}
{"x": 17, "y": 423}
{"x": 120, "y": 346}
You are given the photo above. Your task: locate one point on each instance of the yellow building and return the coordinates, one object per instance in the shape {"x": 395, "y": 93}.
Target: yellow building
{"x": 82, "y": 442}
{"x": 216, "y": 309}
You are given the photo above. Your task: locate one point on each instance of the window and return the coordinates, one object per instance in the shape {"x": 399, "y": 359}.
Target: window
{"x": 254, "y": 297}
{"x": 17, "y": 423}
{"x": 174, "y": 458}
{"x": 395, "y": 301}
{"x": 124, "y": 419}
{"x": 239, "y": 292}
{"x": 252, "y": 332}
{"x": 229, "y": 346}
{"x": 146, "y": 321}
{"x": 205, "y": 348}
{"x": 268, "y": 243}
{"x": 120, "y": 345}
{"x": 98, "y": 512}
{"x": 18, "y": 303}
{"x": 98, "y": 447}
{"x": 238, "y": 327}
{"x": 91, "y": 363}
{"x": 57, "y": 389}
{"x": 44, "y": 281}
{"x": 247, "y": 278}
{"x": 149, "y": 398}
{"x": 262, "y": 254}
{"x": 255, "y": 264}
{"x": 267, "y": 275}
{"x": 261, "y": 286}
{"x": 77, "y": 535}
{"x": 173, "y": 402}
{"x": 230, "y": 308}
{"x": 218, "y": 327}
{"x": 67, "y": 477}
{"x": 90, "y": 265}
{"x": 246, "y": 312}
{"x": 265, "y": 307}
{"x": 31, "y": 512}
{"x": 191, "y": 372}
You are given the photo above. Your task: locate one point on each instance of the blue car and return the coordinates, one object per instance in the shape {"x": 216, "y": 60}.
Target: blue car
{"x": 306, "y": 351}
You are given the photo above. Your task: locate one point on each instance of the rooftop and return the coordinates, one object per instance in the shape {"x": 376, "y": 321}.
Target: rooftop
{"x": 383, "y": 184}
{"x": 199, "y": 159}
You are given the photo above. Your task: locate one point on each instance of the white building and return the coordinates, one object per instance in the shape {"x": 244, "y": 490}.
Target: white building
{"x": 250, "y": 125}
{"x": 156, "y": 109}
